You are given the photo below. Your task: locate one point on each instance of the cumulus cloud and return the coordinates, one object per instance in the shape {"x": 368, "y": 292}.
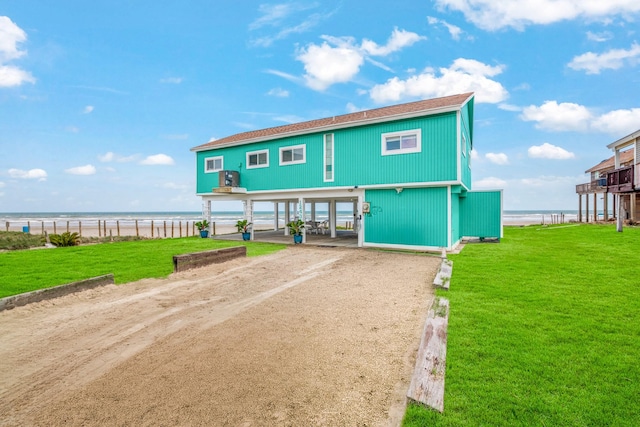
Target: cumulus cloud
{"x": 566, "y": 116}
{"x": 489, "y": 183}
{"x": 82, "y": 170}
{"x": 549, "y": 151}
{"x": 493, "y": 15}
{"x": 454, "y": 30}
{"x": 593, "y": 63}
{"x": 278, "y": 92}
{"x": 464, "y": 75}
{"x": 10, "y": 37}
{"x": 338, "y": 59}
{"x": 88, "y": 109}
{"x": 599, "y": 37}
{"x": 497, "y": 158}
{"x": 157, "y": 159}
{"x": 39, "y": 174}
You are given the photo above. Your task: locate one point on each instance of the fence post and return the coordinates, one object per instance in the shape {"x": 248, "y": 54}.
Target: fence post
{"x": 172, "y": 229}
{"x": 152, "y": 229}
{"x": 180, "y": 227}
{"x": 137, "y": 233}
{"x": 80, "y": 228}
{"x": 118, "y": 227}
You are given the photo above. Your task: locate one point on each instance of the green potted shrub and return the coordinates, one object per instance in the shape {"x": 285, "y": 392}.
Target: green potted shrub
{"x": 243, "y": 227}
{"x": 203, "y": 227}
{"x": 295, "y": 229}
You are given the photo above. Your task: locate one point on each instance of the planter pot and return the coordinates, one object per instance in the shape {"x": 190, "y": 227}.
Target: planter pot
{"x": 204, "y": 233}
{"x": 297, "y": 238}
{"x": 246, "y": 236}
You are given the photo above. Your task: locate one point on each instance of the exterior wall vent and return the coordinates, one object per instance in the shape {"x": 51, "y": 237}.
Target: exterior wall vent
{"x": 228, "y": 178}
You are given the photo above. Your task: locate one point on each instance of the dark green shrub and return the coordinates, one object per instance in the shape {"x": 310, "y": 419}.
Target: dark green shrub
{"x": 65, "y": 239}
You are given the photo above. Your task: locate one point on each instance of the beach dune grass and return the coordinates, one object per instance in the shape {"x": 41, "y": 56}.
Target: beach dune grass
{"x": 544, "y": 329}
{"x": 29, "y": 270}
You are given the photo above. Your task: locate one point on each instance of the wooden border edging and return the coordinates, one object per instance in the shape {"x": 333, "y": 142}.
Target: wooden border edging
{"x": 427, "y": 382}
{"x": 443, "y": 277}
{"x": 200, "y": 259}
{"x": 54, "y": 292}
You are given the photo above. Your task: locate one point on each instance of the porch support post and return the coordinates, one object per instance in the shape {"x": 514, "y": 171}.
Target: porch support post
{"x": 313, "y": 211}
{"x": 595, "y": 207}
{"x": 632, "y": 204}
{"x": 615, "y": 215}
{"x": 248, "y": 213}
{"x": 303, "y": 218}
{"x": 355, "y": 210}
{"x": 586, "y": 198}
{"x": 619, "y": 222}
{"x": 606, "y": 207}
{"x": 287, "y": 216}
{"x": 579, "y": 207}
{"x": 275, "y": 216}
{"x": 333, "y": 218}
{"x": 361, "y": 221}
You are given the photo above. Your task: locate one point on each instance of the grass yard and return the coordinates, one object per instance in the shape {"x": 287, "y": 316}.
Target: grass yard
{"x": 544, "y": 330}
{"x": 28, "y": 270}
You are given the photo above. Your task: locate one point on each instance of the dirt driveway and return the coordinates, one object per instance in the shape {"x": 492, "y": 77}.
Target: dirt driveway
{"x": 306, "y": 336}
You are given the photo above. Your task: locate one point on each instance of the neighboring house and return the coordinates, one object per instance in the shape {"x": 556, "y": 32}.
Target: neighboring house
{"x": 618, "y": 175}
{"x": 405, "y": 169}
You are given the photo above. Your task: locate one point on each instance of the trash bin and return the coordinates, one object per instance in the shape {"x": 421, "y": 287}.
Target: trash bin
{"x": 25, "y": 229}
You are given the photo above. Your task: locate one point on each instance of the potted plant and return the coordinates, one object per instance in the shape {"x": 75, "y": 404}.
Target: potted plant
{"x": 243, "y": 227}
{"x": 295, "y": 229}
{"x": 203, "y": 227}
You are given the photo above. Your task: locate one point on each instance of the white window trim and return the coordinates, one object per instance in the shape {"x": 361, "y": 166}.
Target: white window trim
{"x": 293, "y": 162}
{"x": 333, "y": 158}
{"x": 214, "y": 159}
{"x": 464, "y": 145}
{"x": 416, "y": 149}
{"x": 258, "y": 152}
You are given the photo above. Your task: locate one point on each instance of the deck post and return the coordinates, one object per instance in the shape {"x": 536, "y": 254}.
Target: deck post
{"x": 579, "y": 207}
{"x": 632, "y": 205}
{"x": 276, "y": 220}
{"x": 333, "y": 218}
{"x": 313, "y": 211}
{"x": 595, "y": 207}
{"x": 287, "y": 216}
{"x": 606, "y": 207}
{"x": 619, "y": 222}
{"x": 303, "y": 217}
{"x": 586, "y": 198}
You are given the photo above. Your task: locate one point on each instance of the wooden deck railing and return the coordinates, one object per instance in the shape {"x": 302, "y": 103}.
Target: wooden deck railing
{"x": 620, "y": 180}
{"x": 595, "y": 186}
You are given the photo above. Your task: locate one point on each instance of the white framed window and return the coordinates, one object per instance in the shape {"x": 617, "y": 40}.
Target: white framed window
{"x": 292, "y": 155}
{"x": 258, "y": 159}
{"x": 404, "y": 142}
{"x": 328, "y": 157}
{"x": 213, "y": 164}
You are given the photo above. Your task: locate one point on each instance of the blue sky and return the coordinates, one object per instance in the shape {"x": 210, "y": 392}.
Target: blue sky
{"x": 101, "y": 101}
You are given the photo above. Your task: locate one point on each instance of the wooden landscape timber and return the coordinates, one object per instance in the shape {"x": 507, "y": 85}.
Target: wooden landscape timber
{"x": 200, "y": 259}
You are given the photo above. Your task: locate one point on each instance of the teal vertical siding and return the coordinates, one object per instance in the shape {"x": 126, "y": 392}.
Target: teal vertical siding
{"x": 481, "y": 214}
{"x": 455, "y": 218}
{"x": 358, "y": 158}
{"x": 416, "y": 216}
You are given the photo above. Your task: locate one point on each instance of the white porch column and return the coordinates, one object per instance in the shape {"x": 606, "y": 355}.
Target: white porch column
{"x": 333, "y": 218}
{"x": 303, "y": 218}
{"x": 287, "y": 216}
{"x": 206, "y": 214}
{"x": 275, "y": 215}
{"x": 355, "y": 209}
{"x": 620, "y": 220}
{"x": 313, "y": 211}
{"x": 248, "y": 213}
{"x": 359, "y": 217}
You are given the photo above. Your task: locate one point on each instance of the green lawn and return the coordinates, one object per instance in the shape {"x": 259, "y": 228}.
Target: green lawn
{"x": 544, "y": 330}
{"x": 28, "y": 270}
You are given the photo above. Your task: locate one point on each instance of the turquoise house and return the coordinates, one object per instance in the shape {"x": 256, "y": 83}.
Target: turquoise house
{"x": 405, "y": 169}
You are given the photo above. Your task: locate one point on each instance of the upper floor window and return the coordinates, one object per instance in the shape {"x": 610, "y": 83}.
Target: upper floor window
{"x": 402, "y": 142}
{"x": 328, "y": 157}
{"x": 293, "y": 155}
{"x": 258, "y": 159}
{"x": 213, "y": 164}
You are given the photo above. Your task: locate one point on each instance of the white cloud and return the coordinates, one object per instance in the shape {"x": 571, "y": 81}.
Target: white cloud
{"x": 289, "y": 119}
{"x": 88, "y": 109}
{"x": 489, "y": 183}
{"x": 351, "y": 108}
{"x": 593, "y": 63}
{"x": 509, "y": 107}
{"x": 275, "y": 16}
{"x": 497, "y": 158}
{"x": 474, "y": 154}
{"x": 10, "y": 37}
{"x": 599, "y": 37}
{"x": 39, "y": 174}
{"x": 284, "y": 75}
{"x": 398, "y": 40}
{"x": 464, "y": 75}
{"x": 549, "y": 151}
{"x": 158, "y": 159}
{"x": 568, "y": 116}
{"x": 82, "y": 170}
{"x": 278, "y": 92}
{"x": 493, "y": 15}
{"x": 2, "y": 184}
{"x": 172, "y": 80}
{"x": 565, "y": 116}
{"x": 454, "y": 30}
{"x": 338, "y": 59}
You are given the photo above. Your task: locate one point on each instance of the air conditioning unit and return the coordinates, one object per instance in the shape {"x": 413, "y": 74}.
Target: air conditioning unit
{"x": 228, "y": 178}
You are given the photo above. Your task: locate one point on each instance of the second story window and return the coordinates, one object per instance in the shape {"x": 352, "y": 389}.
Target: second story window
{"x": 213, "y": 164}
{"x": 402, "y": 142}
{"x": 258, "y": 159}
{"x": 293, "y": 155}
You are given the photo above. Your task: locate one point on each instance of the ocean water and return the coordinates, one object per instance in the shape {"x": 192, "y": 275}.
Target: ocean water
{"x": 229, "y": 218}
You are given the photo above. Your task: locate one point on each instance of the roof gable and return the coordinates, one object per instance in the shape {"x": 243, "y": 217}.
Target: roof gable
{"x": 393, "y": 112}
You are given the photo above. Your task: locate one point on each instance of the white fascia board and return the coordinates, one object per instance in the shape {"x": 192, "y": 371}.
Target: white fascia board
{"x": 449, "y": 218}
{"x": 332, "y": 127}
{"x": 436, "y": 249}
{"x": 625, "y": 141}
{"x": 458, "y": 146}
